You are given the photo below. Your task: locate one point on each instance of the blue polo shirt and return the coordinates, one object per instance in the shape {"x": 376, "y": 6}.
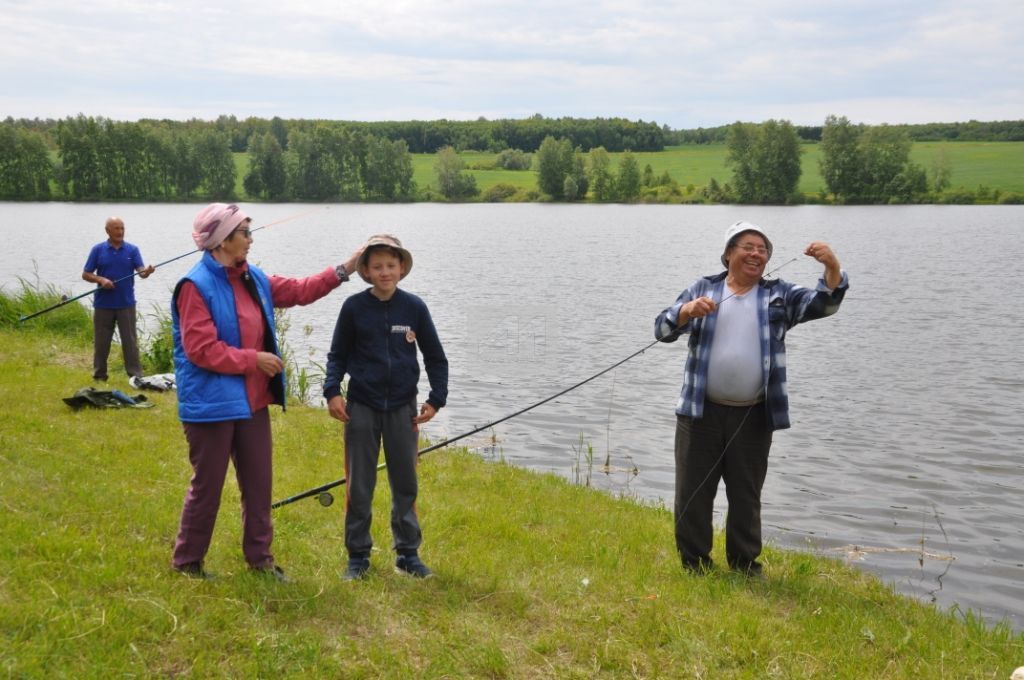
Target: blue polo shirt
{"x": 114, "y": 263}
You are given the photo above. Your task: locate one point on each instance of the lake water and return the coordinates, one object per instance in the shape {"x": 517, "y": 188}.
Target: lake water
{"x": 905, "y": 455}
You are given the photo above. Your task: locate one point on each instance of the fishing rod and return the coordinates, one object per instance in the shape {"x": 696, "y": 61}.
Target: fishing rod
{"x": 67, "y": 300}
{"x": 326, "y": 498}
{"x": 711, "y": 470}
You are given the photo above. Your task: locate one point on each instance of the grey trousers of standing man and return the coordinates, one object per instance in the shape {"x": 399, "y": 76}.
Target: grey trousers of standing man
{"x": 103, "y": 322}
{"x": 364, "y": 432}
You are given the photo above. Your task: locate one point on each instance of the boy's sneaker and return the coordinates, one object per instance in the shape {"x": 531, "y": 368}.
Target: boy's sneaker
{"x": 413, "y": 566}
{"x": 357, "y": 568}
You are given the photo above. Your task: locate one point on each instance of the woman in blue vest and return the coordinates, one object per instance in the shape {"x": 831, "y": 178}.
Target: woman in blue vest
{"x": 228, "y": 371}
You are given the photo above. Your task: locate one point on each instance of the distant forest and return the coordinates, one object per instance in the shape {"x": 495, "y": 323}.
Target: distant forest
{"x": 94, "y": 158}
{"x": 971, "y": 131}
{"x": 614, "y": 134}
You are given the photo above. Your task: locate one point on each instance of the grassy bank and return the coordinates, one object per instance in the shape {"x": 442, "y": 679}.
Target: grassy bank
{"x": 535, "y": 577}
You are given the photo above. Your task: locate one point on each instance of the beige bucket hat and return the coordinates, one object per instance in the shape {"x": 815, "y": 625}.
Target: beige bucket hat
{"x": 391, "y": 242}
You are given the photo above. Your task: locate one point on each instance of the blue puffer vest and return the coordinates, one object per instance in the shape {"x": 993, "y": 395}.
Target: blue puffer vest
{"x": 205, "y": 396}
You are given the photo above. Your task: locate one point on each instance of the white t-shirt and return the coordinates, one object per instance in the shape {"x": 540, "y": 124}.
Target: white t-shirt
{"x": 734, "y": 367}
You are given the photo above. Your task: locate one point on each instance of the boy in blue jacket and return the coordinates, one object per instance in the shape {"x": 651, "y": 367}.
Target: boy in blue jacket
{"x": 375, "y": 343}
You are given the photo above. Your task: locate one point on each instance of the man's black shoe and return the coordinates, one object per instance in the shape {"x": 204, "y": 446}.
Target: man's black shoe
{"x": 698, "y": 567}
{"x": 752, "y": 569}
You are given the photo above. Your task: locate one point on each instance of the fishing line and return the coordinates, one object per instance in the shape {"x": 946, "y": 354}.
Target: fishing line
{"x": 714, "y": 465}
{"x": 97, "y": 289}
{"x": 327, "y": 499}
{"x": 739, "y": 427}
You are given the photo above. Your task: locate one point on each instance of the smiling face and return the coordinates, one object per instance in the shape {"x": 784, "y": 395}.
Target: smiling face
{"x": 384, "y": 270}
{"x": 747, "y": 258}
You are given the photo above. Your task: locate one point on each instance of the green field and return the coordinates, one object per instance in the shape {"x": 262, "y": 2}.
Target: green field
{"x": 997, "y": 165}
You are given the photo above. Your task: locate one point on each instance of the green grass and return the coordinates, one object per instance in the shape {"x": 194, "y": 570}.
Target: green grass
{"x": 67, "y": 318}
{"x": 997, "y": 165}
{"x": 241, "y": 169}
{"x": 535, "y": 577}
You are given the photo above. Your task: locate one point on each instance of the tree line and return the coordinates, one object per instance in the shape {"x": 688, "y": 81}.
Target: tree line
{"x": 859, "y": 163}
{"x": 615, "y": 134}
{"x": 102, "y": 159}
{"x": 970, "y": 131}
{"x": 85, "y": 158}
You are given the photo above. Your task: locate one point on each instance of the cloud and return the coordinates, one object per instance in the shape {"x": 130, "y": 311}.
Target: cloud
{"x": 684, "y": 64}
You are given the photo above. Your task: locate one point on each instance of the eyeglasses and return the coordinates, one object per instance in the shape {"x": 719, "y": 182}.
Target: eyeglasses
{"x": 245, "y": 233}
{"x": 750, "y": 249}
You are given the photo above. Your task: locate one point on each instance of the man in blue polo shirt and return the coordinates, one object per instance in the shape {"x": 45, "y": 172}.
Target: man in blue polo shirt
{"x": 109, "y": 262}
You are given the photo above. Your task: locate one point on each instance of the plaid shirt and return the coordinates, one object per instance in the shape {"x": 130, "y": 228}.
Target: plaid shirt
{"x": 781, "y": 305}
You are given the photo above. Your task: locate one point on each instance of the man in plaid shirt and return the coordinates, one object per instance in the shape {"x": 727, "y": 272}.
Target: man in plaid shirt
{"x": 734, "y": 388}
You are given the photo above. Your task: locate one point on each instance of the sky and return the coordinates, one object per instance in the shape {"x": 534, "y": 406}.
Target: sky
{"x": 682, "y": 64}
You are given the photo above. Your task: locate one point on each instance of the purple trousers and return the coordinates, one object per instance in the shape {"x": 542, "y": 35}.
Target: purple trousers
{"x": 247, "y": 443}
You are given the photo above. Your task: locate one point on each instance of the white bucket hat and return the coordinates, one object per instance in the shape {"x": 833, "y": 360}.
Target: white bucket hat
{"x": 391, "y": 242}
{"x": 739, "y": 228}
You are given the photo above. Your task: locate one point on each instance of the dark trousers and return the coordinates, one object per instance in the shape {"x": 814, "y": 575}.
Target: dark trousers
{"x": 247, "y": 443}
{"x": 730, "y": 443}
{"x": 364, "y": 432}
{"x": 103, "y": 322}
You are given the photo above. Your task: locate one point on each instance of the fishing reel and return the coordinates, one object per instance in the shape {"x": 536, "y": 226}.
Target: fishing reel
{"x": 325, "y": 498}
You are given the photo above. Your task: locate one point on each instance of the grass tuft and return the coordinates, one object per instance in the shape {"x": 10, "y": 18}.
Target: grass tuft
{"x": 70, "y": 320}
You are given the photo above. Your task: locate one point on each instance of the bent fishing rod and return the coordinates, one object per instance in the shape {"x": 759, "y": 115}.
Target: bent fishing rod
{"x": 97, "y": 289}
{"x": 326, "y": 499}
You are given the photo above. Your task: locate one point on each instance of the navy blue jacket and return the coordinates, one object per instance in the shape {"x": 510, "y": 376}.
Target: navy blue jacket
{"x": 375, "y": 344}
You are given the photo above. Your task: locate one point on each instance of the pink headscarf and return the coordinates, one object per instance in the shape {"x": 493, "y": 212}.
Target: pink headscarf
{"x": 214, "y": 223}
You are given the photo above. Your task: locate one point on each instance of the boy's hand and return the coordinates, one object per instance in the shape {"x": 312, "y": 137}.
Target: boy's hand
{"x": 426, "y": 413}
{"x": 336, "y": 407}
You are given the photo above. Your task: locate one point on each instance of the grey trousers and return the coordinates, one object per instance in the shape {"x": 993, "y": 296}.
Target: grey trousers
{"x": 103, "y": 322}
{"x": 730, "y": 443}
{"x": 364, "y": 432}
